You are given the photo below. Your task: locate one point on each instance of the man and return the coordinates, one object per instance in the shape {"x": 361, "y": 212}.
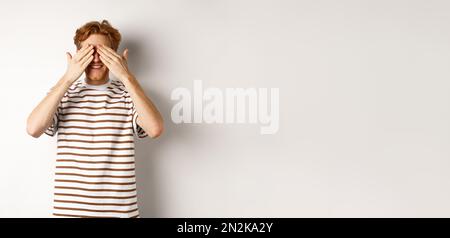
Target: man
{"x": 96, "y": 118}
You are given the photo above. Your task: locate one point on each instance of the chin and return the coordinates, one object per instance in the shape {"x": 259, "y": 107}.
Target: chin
{"x": 96, "y": 76}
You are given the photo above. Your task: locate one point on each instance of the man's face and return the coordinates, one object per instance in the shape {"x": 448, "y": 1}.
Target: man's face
{"x": 96, "y": 70}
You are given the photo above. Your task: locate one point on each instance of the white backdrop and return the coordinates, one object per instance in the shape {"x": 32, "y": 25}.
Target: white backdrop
{"x": 364, "y": 104}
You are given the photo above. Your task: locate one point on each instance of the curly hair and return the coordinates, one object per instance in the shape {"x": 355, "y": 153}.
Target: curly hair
{"x": 96, "y": 27}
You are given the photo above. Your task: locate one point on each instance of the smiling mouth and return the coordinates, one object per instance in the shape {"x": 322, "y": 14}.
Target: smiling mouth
{"x": 98, "y": 66}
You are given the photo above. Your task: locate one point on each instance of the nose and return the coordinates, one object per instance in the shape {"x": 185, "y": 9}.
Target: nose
{"x": 96, "y": 57}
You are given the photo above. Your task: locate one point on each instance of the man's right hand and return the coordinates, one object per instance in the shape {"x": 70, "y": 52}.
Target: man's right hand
{"x": 78, "y": 63}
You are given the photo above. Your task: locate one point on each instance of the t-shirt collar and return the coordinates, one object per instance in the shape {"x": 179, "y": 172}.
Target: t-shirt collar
{"x": 104, "y": 86}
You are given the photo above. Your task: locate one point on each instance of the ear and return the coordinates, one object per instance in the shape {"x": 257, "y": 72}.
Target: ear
{"x": 125, "y": 54}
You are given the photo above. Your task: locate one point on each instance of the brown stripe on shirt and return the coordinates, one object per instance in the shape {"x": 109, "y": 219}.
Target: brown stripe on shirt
{"x": 94, "y": 101}
{"x": 97, "y": 190}
{"x": 85, "y": 182}
{"x": 99, "y": 141}
{"x": 95, "y": 203}
{"x": 93, "y": 114}
{"x": 93, "y": 162}
{"x": 93, "y": 108}
{"x": 96, "y": 176}
{"x": 82, "y": 134}
{"x": 94, "y": 148}
{"x": 98, "y": 95}
{"x": 94, "y": 155}
{"x": 92, "y": 210}
{"x": 93, "y": 169}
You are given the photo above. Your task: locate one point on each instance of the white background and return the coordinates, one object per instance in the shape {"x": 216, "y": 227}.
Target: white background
{"x": 364, "y": 104}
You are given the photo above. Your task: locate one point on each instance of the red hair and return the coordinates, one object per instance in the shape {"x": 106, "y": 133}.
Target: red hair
{"x": 95, "y": 27}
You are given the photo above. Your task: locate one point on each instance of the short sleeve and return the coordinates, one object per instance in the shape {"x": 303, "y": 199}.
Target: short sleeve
{"x": 53, "y": 128}
{"x": 136, "y": 128}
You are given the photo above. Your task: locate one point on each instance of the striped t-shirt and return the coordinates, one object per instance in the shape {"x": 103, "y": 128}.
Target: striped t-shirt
{"x": 95, "y": 167}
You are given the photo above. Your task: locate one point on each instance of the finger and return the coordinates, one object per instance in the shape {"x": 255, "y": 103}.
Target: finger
{"x": 86, "y": 61}
{"x": 82, "y": 59}
{"x": 78, "y": 55}
{"x": 110, "y": 50}
{"x": 86, "y": 54}
{"x": 83, "y": 52}
{"x": 107, "y": 55}
{"x": 69, "y": 56}
{"x": 85, "y": 49}
{"x": 125, "y": 54}
{"x": 82, "y": 49}
{"x": 106, "y": 61}
{"x": 114, "y": 57}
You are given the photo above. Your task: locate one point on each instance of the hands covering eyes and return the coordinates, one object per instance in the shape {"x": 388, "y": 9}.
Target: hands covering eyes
{"x": 116, "y": 63}
{"x": 78, "y": 63}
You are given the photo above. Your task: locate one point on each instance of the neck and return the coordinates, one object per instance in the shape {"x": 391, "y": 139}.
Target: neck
{"x": 96, "y": 82}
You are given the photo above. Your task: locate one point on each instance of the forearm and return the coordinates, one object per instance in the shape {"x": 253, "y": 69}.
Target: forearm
{"x": 42, "y": 115}
{"x": 149, "y": 117}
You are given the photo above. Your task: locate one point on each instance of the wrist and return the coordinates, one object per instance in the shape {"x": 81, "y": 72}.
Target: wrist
{"x": 67, "y": 78}
{"x": 128, "y": 79}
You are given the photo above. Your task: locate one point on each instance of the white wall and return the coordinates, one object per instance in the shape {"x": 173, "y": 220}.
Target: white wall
{"x": 364, "y": 104}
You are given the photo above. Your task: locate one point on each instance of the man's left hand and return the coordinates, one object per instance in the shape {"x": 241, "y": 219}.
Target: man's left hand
{"x": 118, "y": 65}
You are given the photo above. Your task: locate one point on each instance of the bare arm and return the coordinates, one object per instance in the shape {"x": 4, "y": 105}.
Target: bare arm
{"x": 42, "y": 115}
{"x": 149, "y": 117}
